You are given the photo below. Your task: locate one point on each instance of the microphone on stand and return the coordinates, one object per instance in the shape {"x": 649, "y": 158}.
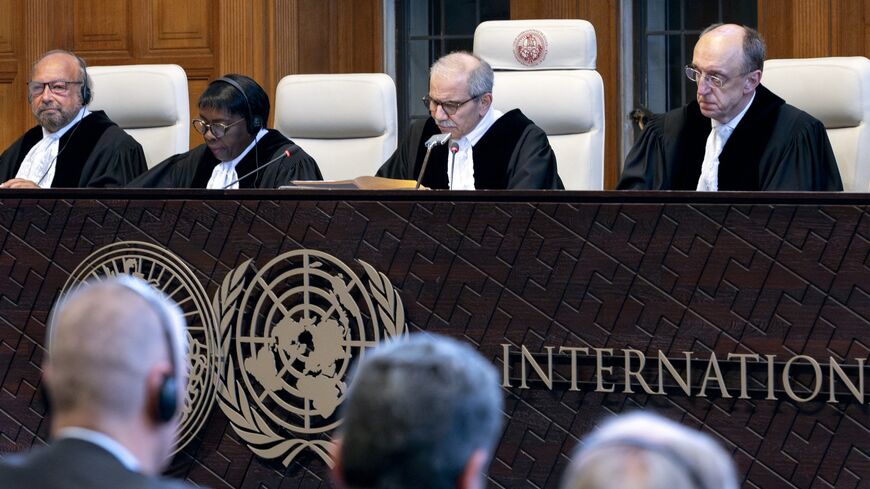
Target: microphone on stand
{"x": 435, "y": 140}
{"x": 285, "y": 154}
{"x": 454, "y": 148}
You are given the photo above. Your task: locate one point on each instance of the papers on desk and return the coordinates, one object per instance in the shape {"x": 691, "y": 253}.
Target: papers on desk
{"x": 358, "y": 183}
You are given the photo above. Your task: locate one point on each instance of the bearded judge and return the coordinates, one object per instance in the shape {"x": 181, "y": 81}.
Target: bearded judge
{"x": 737, "y": 134}
{"x": 71, "y": 146}
{"x": 239, "y": 151}
{"x": 495, "y": 150}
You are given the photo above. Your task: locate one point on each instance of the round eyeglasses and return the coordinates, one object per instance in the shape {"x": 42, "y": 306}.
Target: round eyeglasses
{"x": 717, "y": 81}
{"x": 217, "y": 129}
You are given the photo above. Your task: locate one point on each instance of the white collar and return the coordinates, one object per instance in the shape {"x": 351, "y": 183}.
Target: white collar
{"x": 235, "y": 161}
{"x": 83, "y": 112}
{"x": 103, "y": 441}
{"x": 736, "y": 119}
{"x": 480, "y": 129}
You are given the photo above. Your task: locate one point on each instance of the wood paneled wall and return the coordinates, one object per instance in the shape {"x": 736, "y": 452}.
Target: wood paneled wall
{"x": 267, "y": 39}
{"x": 264, "y": 39}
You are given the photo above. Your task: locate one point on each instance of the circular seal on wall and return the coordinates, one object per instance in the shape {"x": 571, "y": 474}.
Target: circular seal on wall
{"x": 290, "y": 332}
{"x": 530, "y": 47}
{"x": 168, "y": 273}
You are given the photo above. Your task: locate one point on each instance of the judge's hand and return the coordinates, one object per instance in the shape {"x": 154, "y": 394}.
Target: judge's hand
{"x": 19, "y": 183}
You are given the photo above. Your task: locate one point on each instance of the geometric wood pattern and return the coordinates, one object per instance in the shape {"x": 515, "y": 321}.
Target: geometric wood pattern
{"x": 769, "y": 274}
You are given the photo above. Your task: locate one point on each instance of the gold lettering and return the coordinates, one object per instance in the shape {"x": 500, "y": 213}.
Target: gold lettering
{"x": 786, "y": 378}
{"x": 858, "y": 392}
{"x": 744, "y": 392}
{"x": 629, "y": 352}
{"x": 600, "y": 369}
{"x": 573, "y": 350}
{"x": 528, "y": 358}
{"x": 505, "y": 365}
{"x": 714, "y": 366}
{"x": 684, "y": 384}
{"x": 770, "y": 377}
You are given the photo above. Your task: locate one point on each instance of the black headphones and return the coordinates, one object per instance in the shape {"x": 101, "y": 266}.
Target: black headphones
{"x": 254, "y": 123}
{"x": 86, "y": 89}
{"x": 167, "y": 394}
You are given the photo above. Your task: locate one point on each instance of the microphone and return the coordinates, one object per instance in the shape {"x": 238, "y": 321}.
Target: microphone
{"x": 285, "y": 154}
{"x": 454, "y": 148}
{"x": 435, "y": 140}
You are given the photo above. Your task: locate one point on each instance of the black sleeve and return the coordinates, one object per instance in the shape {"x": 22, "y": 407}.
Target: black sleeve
{"x": 533, "y": 163}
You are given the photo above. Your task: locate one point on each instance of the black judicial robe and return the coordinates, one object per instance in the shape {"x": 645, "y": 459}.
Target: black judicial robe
{"x": 513, "y": 154}
{"x": 774, "y": 147}
{"x": 93, "y": 153}
{"x": 193, "y": 169}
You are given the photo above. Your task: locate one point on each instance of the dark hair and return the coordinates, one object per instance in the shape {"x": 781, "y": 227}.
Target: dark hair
{"x": 224, "y": 96}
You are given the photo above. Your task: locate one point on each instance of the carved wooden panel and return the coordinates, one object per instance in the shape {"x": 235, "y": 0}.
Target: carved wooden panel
{"x": 101, "y": 26}
{"x": 178, "y": 25}
{"x": 8, "y": 31}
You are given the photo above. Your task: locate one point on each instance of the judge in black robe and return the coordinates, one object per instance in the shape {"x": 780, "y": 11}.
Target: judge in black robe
{"x": 513, "y": 154}
{"x": 775, "y": 147}
{"x": 95, "y": 152}
{"x": 233, "y": 111}
{"x": 194, "y": 168}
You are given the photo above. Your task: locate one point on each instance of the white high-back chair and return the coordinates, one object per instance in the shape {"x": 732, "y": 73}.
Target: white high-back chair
{"x": 150, "y": 102}
{"x": 546, "y": 68}
{"x": 837, "y": 92}
{"x": 347, "y": 122}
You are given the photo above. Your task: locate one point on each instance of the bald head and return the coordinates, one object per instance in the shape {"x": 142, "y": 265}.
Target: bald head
{"x": 105, "y": 338}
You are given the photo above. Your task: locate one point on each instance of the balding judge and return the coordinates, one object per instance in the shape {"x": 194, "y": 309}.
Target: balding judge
{"x": 71, "y": 146}
{"x": 493, "y": 150}
{"x": 737, "y": 134}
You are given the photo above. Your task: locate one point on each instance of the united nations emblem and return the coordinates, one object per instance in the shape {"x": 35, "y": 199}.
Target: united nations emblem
{"x": 530, "y": 47}
{"x": 289, "y": 333}
{"x": 167, "y": 272}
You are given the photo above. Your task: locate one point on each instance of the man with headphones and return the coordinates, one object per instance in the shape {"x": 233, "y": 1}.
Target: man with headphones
{"x": 239, "y": 151}
{"x": 71, "y": 146}
{"x": 115, "y": 375}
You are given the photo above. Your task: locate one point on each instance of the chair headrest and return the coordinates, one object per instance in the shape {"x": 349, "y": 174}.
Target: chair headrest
{"x": 140, "y": 96}
{"x": 555, "y": 44}
{"x": 335, "y": 106}
{"x": 834, "y": 90}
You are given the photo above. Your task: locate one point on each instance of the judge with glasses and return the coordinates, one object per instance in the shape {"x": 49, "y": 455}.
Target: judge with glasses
{"x": 737, "y": 134}
{"x": 239, "y": 151}
{"x": 487, "y": 149}
{"x": 71, "y": 146}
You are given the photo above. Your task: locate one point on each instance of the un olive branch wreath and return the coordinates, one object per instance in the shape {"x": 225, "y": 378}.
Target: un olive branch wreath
{"x": 249, "y": 424}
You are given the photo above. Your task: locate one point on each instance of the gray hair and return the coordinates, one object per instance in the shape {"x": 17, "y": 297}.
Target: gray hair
{"x": 754, "y": 48}
{"x": 103, "y": 338}
{"x": 644, "y": 451}
{"x": 416, "y": 412}
{"x": 479, "y": 72}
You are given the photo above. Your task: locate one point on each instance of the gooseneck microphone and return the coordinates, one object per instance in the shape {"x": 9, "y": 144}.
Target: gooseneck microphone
{"x": 454, "y": 148}
{"x": 285, "y": 154}
{"x": 435, "y": 140}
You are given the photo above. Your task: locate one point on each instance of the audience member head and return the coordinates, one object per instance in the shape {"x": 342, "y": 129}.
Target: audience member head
{"x": 727, "y": 64}
{"x": 58, "y": 88}
{"x": 425, "y": 413}
{"x": 116, "y": 365}
{"x": 460, "y": 92}
{"x": 644, "y": 451}
{"x": 232, "y": 110}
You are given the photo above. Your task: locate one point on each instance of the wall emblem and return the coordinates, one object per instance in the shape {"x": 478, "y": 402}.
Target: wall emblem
{"x": 169, "y": 273}
{"x": 530, "y": 47}
{"x": 289, "y": 333}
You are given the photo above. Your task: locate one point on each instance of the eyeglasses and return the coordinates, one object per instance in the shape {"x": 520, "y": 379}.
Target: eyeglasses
{"x": 717, "y": 81}
{"x": 449, "y": 108}
{"x": 57, "y": 87}
{"x": 217, "y": 129}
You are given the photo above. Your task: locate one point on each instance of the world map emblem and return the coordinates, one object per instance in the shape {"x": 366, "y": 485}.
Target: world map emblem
{"x": 290, "y": 332}
{"x": 168, "y": 273}
{"x": 530, "y": 47}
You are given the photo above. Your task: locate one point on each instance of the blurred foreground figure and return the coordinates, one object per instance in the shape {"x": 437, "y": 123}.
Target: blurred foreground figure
{"x": 425, "y": 413}
{"x": 114, "y": 375}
